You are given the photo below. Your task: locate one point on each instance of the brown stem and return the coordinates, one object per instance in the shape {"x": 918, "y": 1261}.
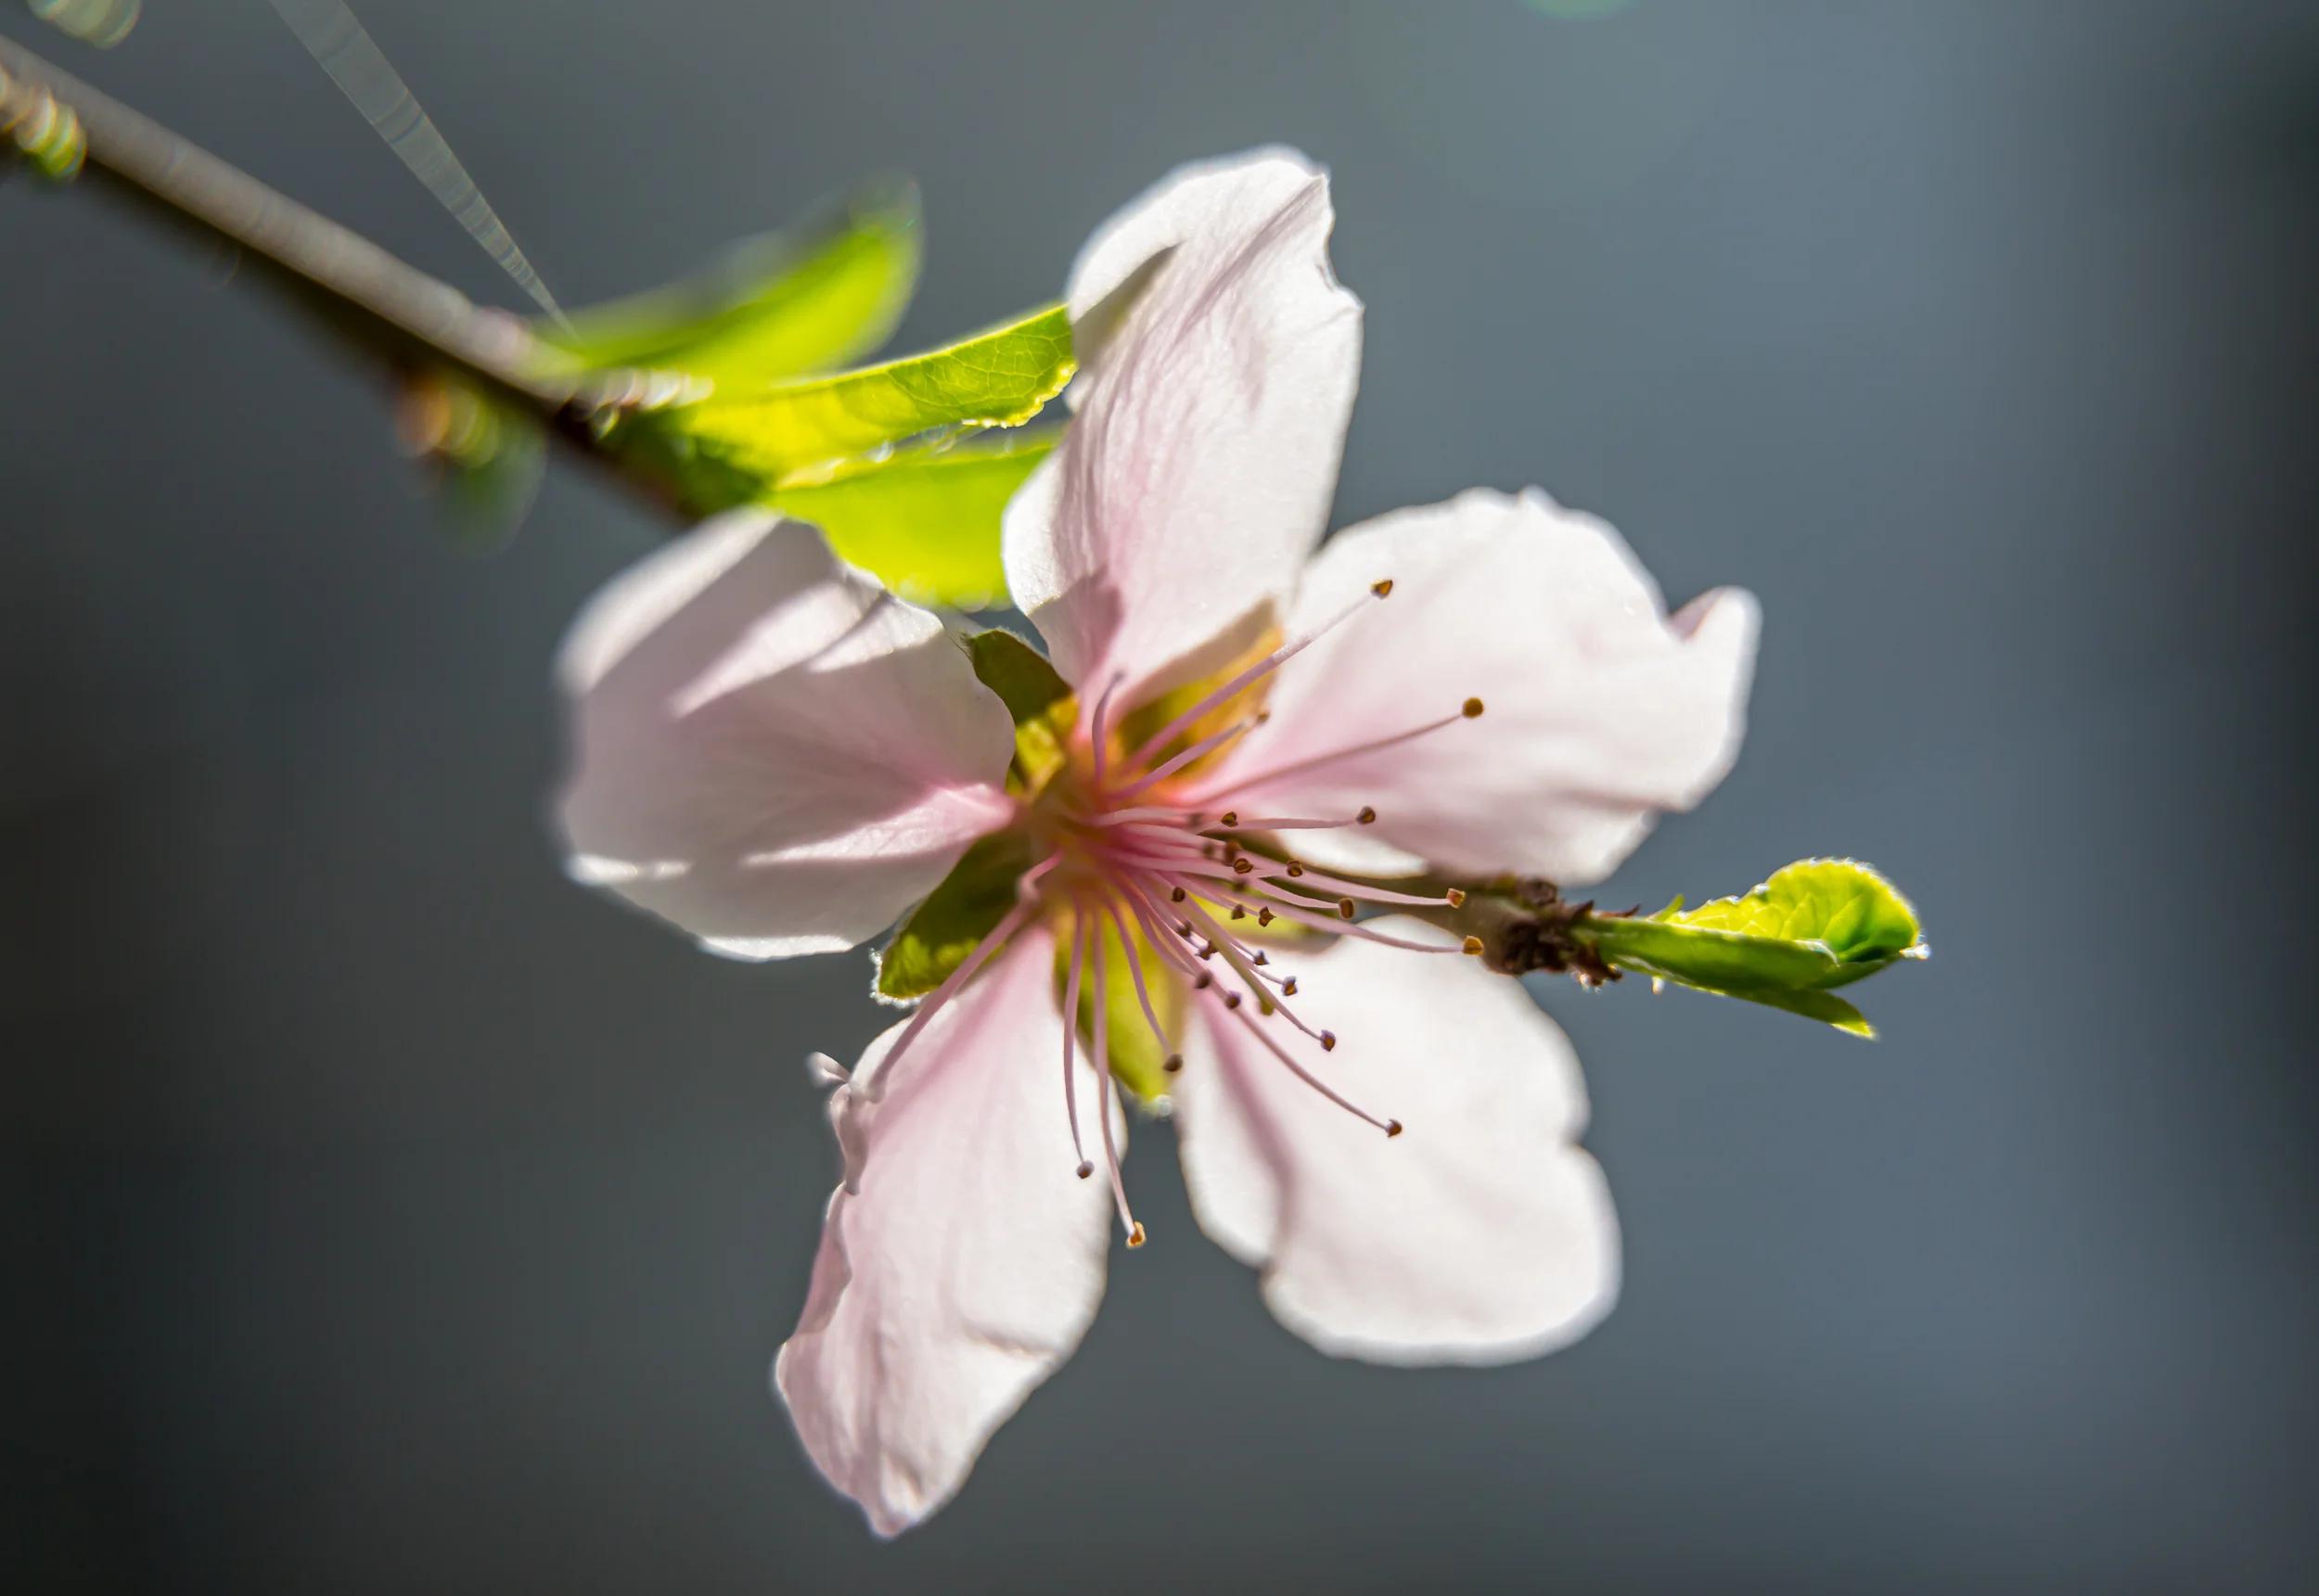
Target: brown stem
{"x": 433, "y": 321}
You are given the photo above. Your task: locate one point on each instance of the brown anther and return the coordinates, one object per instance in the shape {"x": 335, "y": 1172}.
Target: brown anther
{"x": 1295, "y": 869}
{"x": 1230, "y": 817}
{"x": 1367, "y": 815}
{"x": 1136, "y": 1236}
{"x": 1262, "y": 716}
{"x": 1456, "y": 897}
{"x": 1232, "y": 1000}
{"x": 1260, "y": 958}
{"x": 1473, "y": 946}
{"x": 1209, "y": 951}
{"x": 1288, "y": 987}
{"x": 1184, "y": 929}
{"x": 1174, "y": 1062}
{"x": 1085, "y": 1170}
{"x": 1381, "y": 588}
{"x": 1177, "y": 896}
{"x": 1202, "y": 981}
{"x": 1392, "y": 1127}
{"x": 1239, "y": 912}
{"x": 1344, "y": 908}
{"x": 1242, "y": 866}
{"x": 1329, "y": 1041}
{"x": 1263, "y": 916}
{"x": 1473, "y": 708}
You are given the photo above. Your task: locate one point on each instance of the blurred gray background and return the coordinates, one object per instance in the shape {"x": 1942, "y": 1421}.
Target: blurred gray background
{"x": 381, "y": 1213}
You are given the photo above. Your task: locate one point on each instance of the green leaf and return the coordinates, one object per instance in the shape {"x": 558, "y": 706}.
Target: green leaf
{"x": 1022, "y": 677}
{"x": 1038, "y": 699}
{"x": 977, "y": 894}
{"x": 807, "y": 433}
{"x": 1817, "y": 925}
{"x": 772, "y": 308}
{"x": 926, "y": 521}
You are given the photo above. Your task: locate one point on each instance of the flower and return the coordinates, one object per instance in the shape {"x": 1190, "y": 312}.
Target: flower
{"x": 782, "y": 757}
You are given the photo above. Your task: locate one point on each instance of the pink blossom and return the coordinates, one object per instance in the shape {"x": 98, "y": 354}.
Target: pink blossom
{"x": 781, "y": 758}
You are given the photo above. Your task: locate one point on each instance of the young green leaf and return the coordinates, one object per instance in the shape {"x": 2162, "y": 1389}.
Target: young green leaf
{"x": 926, "y": 521}
{"x": 780, "y": 306}
{"x": 971, "y": 900}
{"x": 1036, "y": 695}
{"x": 1817, "y": 925}
{"x": 803, "y": 434}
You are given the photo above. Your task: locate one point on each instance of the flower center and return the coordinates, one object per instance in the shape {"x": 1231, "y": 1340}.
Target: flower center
{"x": 1142, "y": 858}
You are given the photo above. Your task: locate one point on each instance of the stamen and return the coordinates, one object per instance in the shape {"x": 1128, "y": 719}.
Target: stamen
{"x": 1110, "y": 1091}
{"x": 1071, "y": 1039}
{"x": 1200, "y": 750}
{"x": 1473, "y": 946}
{"x": 1366, "y": 817}
{"x": 1363, "y": 891}
{"x": 1095, "y": 727}
{"x": 1030, "y": 879}
{"x": 1473, "y": 708}
{"x": 1264, "y": 667}
{"x": 1286, "y": 822}
{"x": 872, "y": 1086}
{"x": 1390, "y": 1127}
{"x": 1143, "y": 994}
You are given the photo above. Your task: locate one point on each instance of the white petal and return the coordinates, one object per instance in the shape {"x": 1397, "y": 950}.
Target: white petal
{"x": 769, "y": 750}
{"x": 967, "y": 1261}
{"x": 1599, "y": 709}
{"x": 1199, "y": 471}
{"x": 1481, "y": 1234}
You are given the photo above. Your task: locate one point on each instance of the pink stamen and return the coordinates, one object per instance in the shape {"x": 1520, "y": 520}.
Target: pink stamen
{"x": 1264, "y": 778}
{"x": 1262, "y": 668}
{"x": 1390, "y": 1127}
{"x": 1071, "y": 1040}
{"x": 1198, "y": 750}
{"x": 1109, "y": 1086}
{"x": 1096, "y": 730}
{"x": 873, "y": 1087}
{"x": 1143, "y": 995}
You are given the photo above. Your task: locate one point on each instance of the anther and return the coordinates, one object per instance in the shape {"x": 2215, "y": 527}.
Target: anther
{"x": 1295, "y": 869}
{"x": 1473, "y": 946}
{"x": 1136, "y": 1236}
{"x": 1177, "y": 896}
{"x": 1260, "y": 958}
{"x": 1381, "y": 588}
{"x": 1367, "y": 815}
{"x": 1175, "y": 1063}
{"x": 1344, "y": 908}
{"x": 1392, "y": 1127}
{"x": 1473, "y": 708}
{"x": 1085, "y": 1170}
{"x": 1456, "y": 897}
{"x": 1184, "y": 929}
{"x": 1230, "y": 817}
{"x": 1202, "y": 981}
{"x": 1288, "y": 987}
{"x": 1232, "y": 1000}
{"x": 1242, "y": 866}
{"x": 1239, "y": 912}
{"x": 1329, "y": 1041}
{"x": 1263, "y": 918}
